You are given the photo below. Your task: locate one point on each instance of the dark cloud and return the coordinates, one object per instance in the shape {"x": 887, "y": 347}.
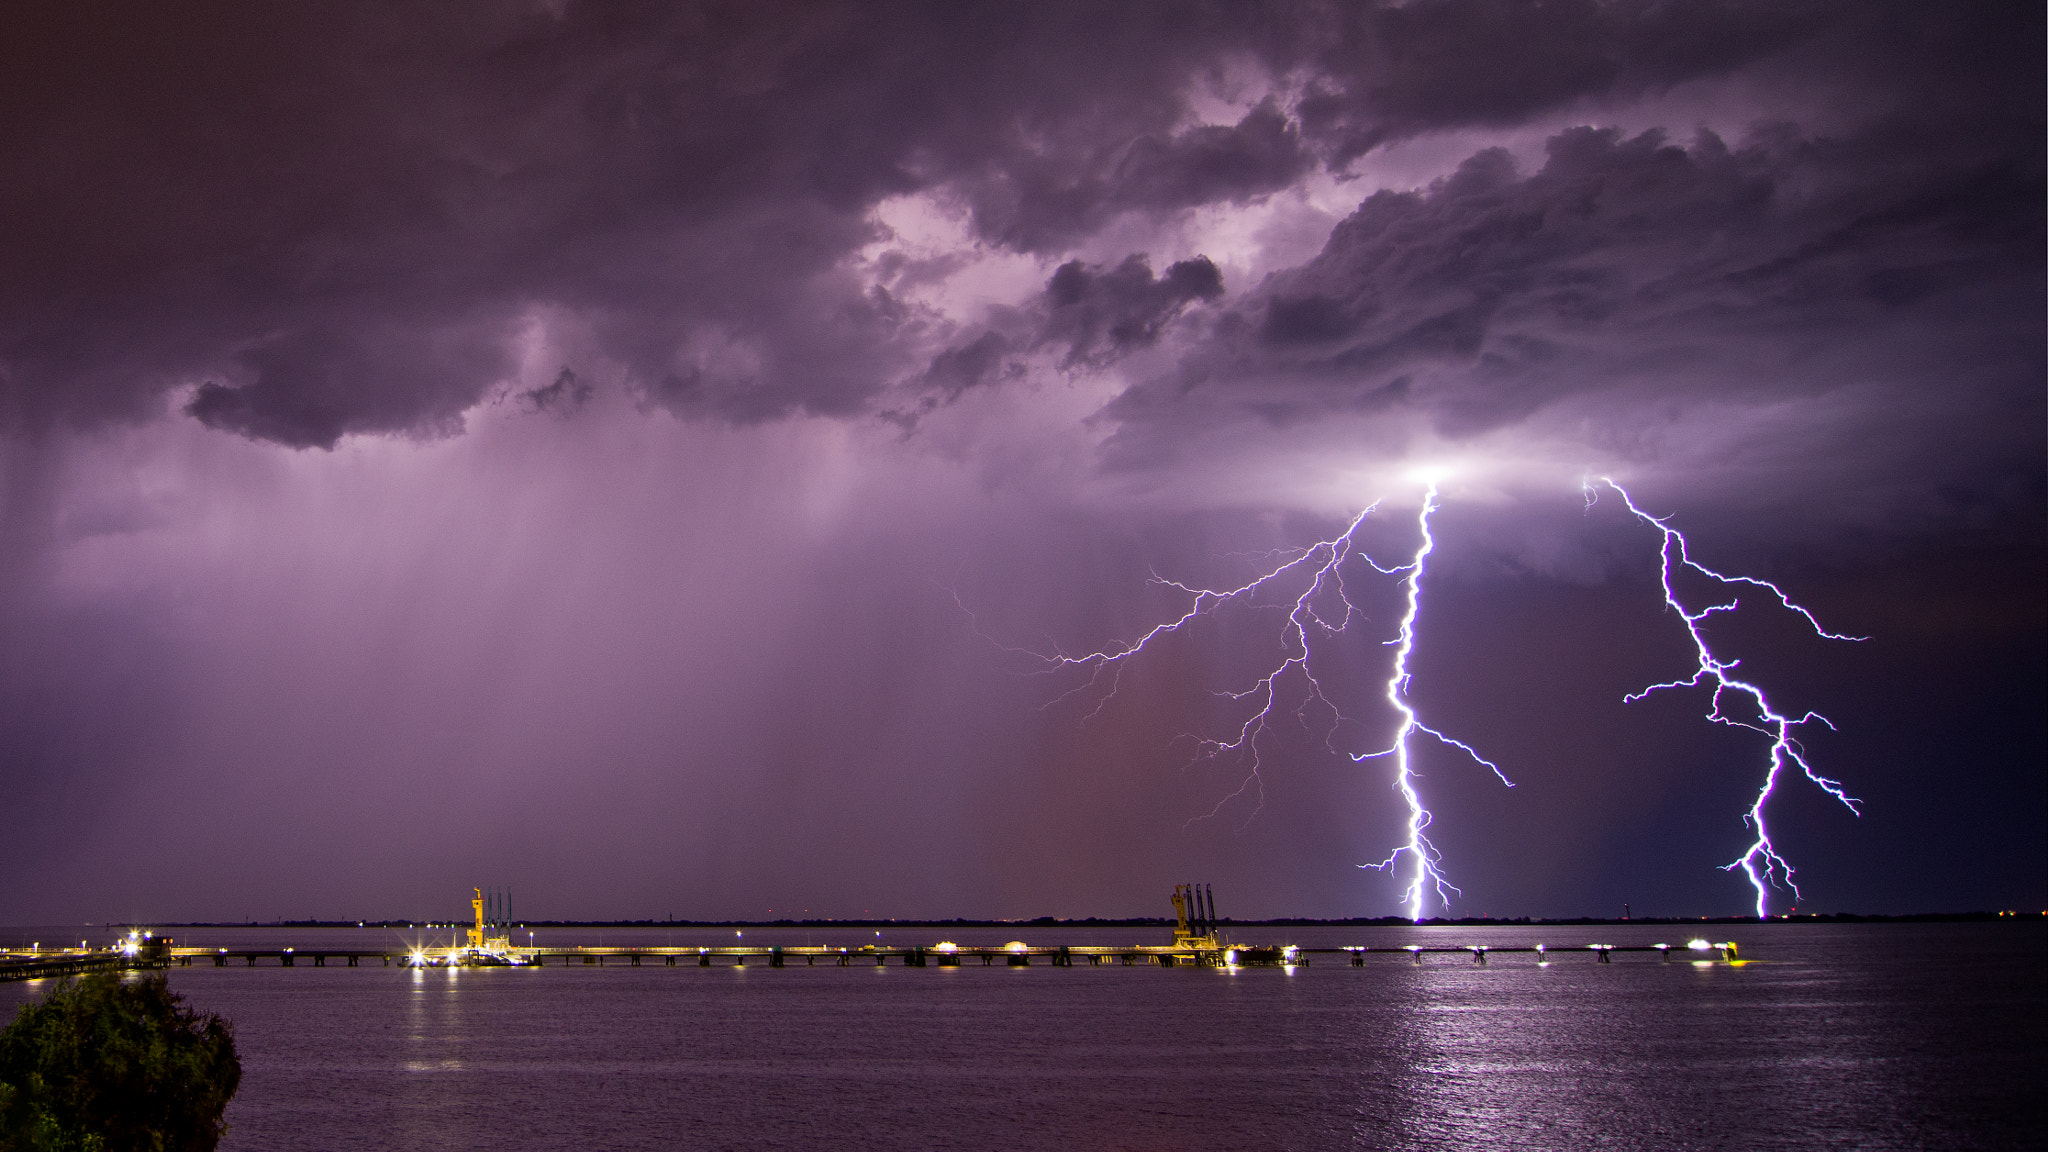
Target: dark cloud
{"x": 1391, "y": 70}
{"x": 293, "y": 207}
{"x": 1093, "y": 316}
{"x": 968, "y": 366}
{"x": 1647, "y": 273}
{"x": 308, "y": 389}
{"x": 564, "y": 395}
{"x": 1039, "y": 202}
{"x": 1101, "y": 315}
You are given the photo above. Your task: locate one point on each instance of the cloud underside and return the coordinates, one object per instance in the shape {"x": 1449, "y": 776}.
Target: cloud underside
{"x": 316, "y": 222}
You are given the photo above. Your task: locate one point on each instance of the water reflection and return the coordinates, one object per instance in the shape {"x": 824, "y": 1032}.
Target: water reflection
{"x": 1874, "y": 1038}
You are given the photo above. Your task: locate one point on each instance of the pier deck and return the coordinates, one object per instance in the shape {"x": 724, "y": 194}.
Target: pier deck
{"x": 68, "y": 962}
{"x": 1221, "y": 956}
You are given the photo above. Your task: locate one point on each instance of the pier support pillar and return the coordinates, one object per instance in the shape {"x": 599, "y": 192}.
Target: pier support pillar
{"x": 636, "y": 959}
{"x": 703, "y": 959}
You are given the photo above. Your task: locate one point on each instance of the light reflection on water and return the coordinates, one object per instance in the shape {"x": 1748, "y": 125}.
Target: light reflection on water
{"x": 1871, "y": 1036}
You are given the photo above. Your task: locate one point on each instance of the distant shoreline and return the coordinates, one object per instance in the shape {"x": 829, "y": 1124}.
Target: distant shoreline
{"x": 1157, "y": 922}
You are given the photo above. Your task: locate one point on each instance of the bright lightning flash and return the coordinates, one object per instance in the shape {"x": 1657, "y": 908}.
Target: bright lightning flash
{"x": 1418, "y": 852}
{"x": 1761, "y": 863}
{"x": 1322, "y": 564}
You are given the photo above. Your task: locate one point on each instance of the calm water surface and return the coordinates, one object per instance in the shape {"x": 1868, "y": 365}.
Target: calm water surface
{"x": 1852, "y": 1036}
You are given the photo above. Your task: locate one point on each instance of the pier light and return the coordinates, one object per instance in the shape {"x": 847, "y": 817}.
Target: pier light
{"x": 946, "y": 946}
{"x": 1698, "y": 945}
{"x": 1414, "y": 947}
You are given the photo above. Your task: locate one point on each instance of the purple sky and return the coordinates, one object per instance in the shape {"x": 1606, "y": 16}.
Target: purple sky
{"x": 614, "y": 450}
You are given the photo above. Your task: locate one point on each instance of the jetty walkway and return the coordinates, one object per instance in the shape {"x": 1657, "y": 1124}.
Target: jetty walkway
{"x": 917, "y": 956}
{"x": 43, "y": 965}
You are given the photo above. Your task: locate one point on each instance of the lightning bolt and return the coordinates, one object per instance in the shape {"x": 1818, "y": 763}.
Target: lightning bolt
{"x": 1762, "y": 863}
{"x": 1321, "y": 565}
{"x": 1418, "y": 852}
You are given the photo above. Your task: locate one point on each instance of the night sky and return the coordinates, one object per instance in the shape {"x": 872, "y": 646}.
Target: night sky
{"x": 636, "y": 454}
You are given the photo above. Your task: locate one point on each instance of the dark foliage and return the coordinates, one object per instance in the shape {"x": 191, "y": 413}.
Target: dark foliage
{"x": 111, "y": 1064}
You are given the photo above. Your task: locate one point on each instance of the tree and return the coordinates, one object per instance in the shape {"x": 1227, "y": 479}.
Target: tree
{"x": 107, "y": 1064}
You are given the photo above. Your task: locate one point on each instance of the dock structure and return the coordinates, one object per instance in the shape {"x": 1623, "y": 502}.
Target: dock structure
{"x": 943, "y": 955}
{"x": 1197, "y": 943}
{"x": 136, "y": 950}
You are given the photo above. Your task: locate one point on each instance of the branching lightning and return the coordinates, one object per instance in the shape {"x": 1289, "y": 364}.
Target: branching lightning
{"x": 1762, "y": 863}
{"x": 1322, "y": 565}
{"x": 1418, "y": 852}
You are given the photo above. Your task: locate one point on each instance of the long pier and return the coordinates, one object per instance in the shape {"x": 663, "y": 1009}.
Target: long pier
{"x": 70, "y": 962}
{"x": 916, "y": 956}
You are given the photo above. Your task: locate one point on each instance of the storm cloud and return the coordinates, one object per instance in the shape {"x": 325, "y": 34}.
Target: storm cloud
{"x": 464, "y": 434}
{"x": 1621, "y": 265}
{"x": 341, "y": 219}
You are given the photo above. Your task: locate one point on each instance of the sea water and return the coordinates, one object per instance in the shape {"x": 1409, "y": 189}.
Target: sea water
{"x": 1878, "y": 1036}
